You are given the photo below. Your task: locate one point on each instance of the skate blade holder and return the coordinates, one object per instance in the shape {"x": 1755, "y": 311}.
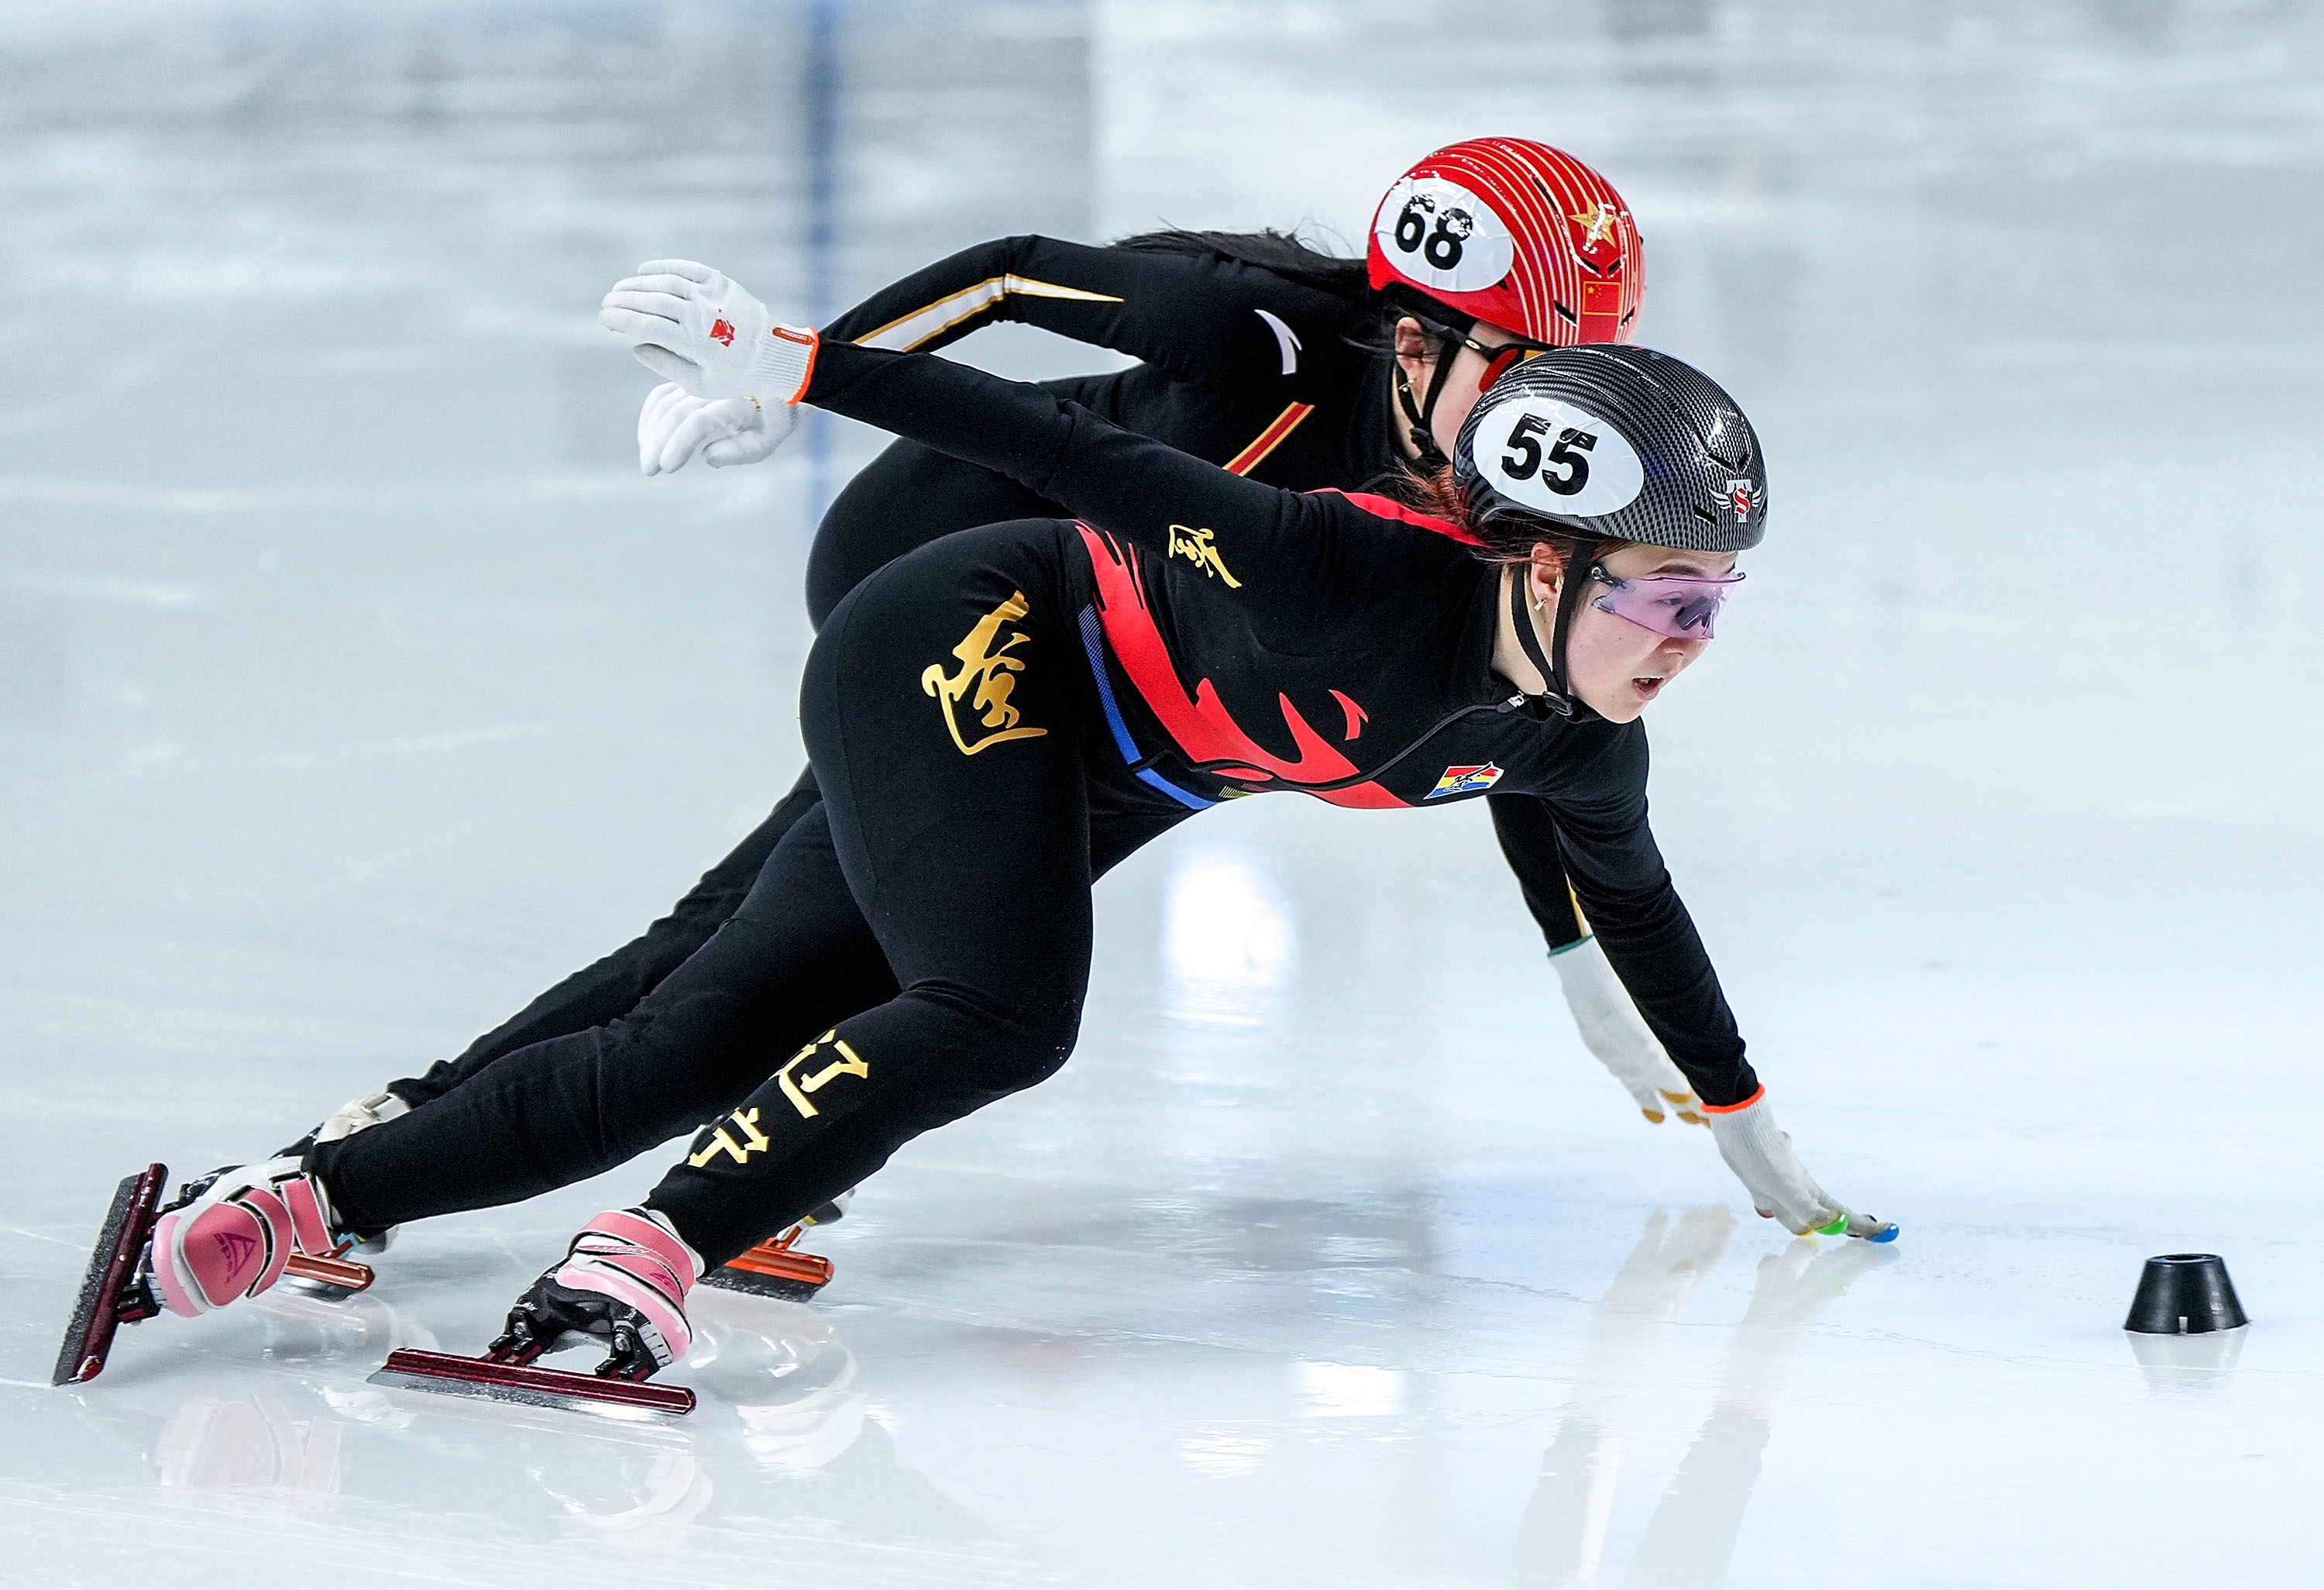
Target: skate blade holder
{"x": 511, "y": 1377}
{"x": 331, "y": 1275}
{"x": 774, "y": 1270}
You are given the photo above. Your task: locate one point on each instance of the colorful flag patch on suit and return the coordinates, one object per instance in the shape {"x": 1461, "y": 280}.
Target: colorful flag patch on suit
{"x": 1464, "y": 781}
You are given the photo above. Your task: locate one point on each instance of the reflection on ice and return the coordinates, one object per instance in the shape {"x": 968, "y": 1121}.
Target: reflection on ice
{"x": 1563, "y": 1536}
{"x": 1690, "y": 1539}
{"x": 1346, "y": 1390}
{"x": 790, "y": 1379}
{"x": 301, "y": 1326}
{"x": 645, "y": 1497}
{"x": 1223, "y": 1452}
{"x": 2202, "y": 1361}
{"x": 215, "y": 1445}
{"x": 1228, "y": 941}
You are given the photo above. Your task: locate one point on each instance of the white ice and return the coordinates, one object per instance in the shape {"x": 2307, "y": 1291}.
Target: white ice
{"x": 354, "y": 687}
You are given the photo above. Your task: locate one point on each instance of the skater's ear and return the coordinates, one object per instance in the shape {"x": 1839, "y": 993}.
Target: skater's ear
{"x": 1416, "y": 349}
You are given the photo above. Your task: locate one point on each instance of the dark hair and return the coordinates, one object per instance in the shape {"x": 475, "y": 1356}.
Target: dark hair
{"x": 1510, "y": 534}
{"x": 1285, "y": 254}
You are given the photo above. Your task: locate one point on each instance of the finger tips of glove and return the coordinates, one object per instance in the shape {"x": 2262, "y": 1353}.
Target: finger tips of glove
{"x": 638, "y": 328}
{"x": 666, "y": 296}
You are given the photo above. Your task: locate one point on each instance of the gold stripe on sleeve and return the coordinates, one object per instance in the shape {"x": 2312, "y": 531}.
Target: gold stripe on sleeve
{"x": 907, "y": 332}
{"x": 1268, "y": 440}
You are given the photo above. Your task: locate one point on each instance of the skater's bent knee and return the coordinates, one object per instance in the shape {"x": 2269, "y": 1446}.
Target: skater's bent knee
{"x": 1010, "y": 1043}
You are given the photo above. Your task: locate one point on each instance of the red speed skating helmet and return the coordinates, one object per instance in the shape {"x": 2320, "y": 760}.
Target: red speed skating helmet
{"x": 1517, "y": 234}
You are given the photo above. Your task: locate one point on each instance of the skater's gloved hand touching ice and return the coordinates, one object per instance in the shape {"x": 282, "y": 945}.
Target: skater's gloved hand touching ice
{"x": 1760, "y": 1154}
{"x": 673, "y": 425}
{"x": 696, "y": 327}
{"x": 1618, "y": 1036}
{"x": 623, "y": 1283}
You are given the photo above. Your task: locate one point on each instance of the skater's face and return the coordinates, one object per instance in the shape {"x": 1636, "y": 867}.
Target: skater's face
{"x": 1471, "y": 372}
{"x": 1616, "y": 665}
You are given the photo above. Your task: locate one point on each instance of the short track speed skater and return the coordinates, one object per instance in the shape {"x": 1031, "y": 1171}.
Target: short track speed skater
{"x": 230, "y": 1234}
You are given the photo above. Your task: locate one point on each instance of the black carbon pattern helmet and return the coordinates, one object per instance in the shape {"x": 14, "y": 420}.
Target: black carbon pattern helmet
{"x": 1619, "y": 443}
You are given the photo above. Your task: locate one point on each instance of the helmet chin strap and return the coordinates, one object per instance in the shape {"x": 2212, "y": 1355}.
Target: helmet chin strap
{"x": 1557, "y": 693}
{"x": 1417, "y": 412}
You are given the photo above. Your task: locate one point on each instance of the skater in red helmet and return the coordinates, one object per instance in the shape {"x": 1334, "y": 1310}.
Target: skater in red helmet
{"x": 1004, "y": 713}
{"x": 1259, "y": 355}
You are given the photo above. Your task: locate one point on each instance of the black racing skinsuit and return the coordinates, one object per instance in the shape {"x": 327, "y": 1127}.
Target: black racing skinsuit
{"x": 995, "y": 719}
{"x": 1277, "y": 381}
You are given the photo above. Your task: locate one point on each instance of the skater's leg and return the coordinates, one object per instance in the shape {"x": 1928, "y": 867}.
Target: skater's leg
{"x": 962, "y": 823}
{"x": 796, "y": 957}
{"x": 612, "y": 986}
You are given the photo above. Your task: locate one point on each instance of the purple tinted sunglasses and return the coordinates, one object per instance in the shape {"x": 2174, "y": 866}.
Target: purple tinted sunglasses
{"x": 1679, "y": 605}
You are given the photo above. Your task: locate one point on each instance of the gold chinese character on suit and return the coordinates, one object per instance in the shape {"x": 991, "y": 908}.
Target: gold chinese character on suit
{"x": 986, "y": 676}
{"x": 1196, "y": 547}
{"x": 722, "y": 1141}
{"x": 795, "y": 1087}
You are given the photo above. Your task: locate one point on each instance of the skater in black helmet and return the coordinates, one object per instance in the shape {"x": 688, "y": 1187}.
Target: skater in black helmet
{"x": 997, "y": 717}
{"x": 1265, "y": 357}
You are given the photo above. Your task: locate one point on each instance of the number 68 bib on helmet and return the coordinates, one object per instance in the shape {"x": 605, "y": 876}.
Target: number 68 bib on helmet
{"x": 1444, "y": 237}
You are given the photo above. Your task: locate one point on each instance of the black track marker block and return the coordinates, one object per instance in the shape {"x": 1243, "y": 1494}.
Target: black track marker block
{"x": 2184, "y": 1294}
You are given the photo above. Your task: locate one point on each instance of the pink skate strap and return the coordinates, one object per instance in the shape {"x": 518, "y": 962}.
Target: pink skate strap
{"x": 649, "y": 1234}
{"x": 634, "y": 1261}
{"x": 170, "y": 1267}
{"x": 274, "y": 1217}
{"x": 310, "y": 1227}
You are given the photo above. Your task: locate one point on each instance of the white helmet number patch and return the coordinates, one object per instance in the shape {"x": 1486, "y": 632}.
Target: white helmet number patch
{"x": 1556, "y": 458}
{"x": 1444, "y": 237}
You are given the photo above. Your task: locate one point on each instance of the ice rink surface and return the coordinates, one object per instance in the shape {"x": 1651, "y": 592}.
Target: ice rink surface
{"x": 354, "y": 687}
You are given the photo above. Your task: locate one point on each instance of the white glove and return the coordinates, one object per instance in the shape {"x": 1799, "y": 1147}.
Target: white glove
{"x": 359, "y": 1114}
{"x": 695, "y": 327}
{"x": 1615, "y": 1032}
{"x": 673, "y": 426}
{"x": 1760, "y": 1154}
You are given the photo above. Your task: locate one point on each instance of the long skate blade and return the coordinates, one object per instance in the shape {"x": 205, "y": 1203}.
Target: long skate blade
{"x": 531, "y": 1387}
{"x": 112, "y": 1271}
